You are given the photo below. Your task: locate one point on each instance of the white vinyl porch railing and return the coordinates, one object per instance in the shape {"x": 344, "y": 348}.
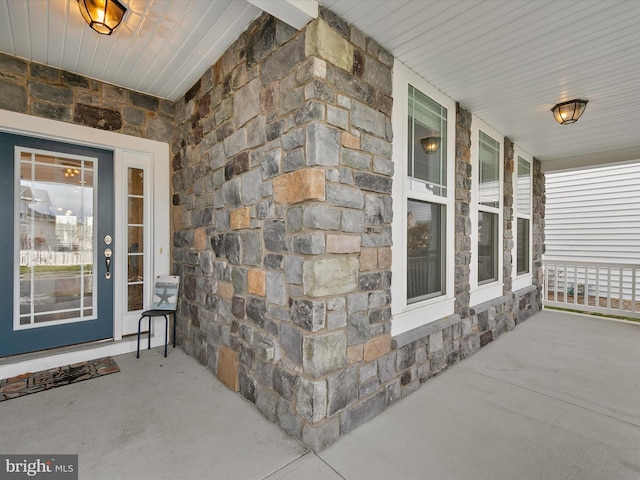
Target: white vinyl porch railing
{"x": 47, "y": 257}
{"x": 607, "y": 288}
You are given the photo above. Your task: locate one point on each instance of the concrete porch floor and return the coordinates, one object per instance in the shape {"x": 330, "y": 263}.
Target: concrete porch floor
{"x": 556, "y": 398}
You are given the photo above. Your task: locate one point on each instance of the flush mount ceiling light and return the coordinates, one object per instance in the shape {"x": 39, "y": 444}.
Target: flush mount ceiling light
{"x": 102, "y": 15}
{"x": 430, "y": 144}
{"x": 569, "y": 112}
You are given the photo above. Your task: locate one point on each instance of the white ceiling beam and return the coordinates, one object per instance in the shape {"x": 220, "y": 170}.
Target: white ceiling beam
{"x": 296, "y": 13}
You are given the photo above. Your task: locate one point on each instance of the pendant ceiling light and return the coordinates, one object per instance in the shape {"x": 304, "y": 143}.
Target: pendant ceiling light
{"x": 569, "y": 112}
{"x": 102, "y": 15}
{"x": 430, "y": 144}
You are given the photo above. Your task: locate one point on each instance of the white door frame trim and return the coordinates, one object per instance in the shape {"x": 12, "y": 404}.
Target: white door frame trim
{"x": 121, "y": 145}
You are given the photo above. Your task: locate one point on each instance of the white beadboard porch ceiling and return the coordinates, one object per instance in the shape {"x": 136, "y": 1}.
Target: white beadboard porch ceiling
{"x": 507, "y": 61}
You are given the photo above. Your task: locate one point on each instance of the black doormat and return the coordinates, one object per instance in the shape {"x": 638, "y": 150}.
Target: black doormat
{"x": 56, "y": 377}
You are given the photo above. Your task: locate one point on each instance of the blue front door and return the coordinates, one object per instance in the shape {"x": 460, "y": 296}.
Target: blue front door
{"x": 56, "y": 248}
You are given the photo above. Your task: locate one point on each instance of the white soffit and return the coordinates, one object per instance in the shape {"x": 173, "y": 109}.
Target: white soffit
{"x": 296, "y": 13}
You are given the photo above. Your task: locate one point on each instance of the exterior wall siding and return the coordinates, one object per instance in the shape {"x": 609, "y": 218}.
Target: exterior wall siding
{"x": 593, "y": 215}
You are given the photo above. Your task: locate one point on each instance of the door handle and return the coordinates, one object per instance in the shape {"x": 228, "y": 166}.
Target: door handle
{"x": 107, "y": 261}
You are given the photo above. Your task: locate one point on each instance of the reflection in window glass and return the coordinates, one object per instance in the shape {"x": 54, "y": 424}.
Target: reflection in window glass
{"x": 427, "y": 144}
{"x": 522, "y": 253}
{"x": 487, "y": 247}
{"x": 425, "y": 250}
{"x": 55, "y": 238}
{"x": 489, "y": 171}
{"x": 523, "y": 187}
{"x": 135, "y": 239}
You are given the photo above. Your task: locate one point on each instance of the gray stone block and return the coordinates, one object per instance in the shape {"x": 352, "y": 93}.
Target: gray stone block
{"x": 342, "y": 389}
{"x": 361, "y": 412}
{"x": 322, "y": 217}
{"x": 285, "y": 383}
{"x": 275, "y": 236}
{"x": 344, "y": 196}
{"x": 267, "y": 403}
{"x": 324, "y": 353}
{"x": 293, "y": 139}
{"x": 275, "y": 288}
{"x": 293, "y": 267}
{"x": 368, "y": 119}
{"x": 311, "y": 399}
{"x": 336, "y": 320}
{"x": 251, "y": 182}
{"x": 307, "y": 314}
{"x": 355, "y": 159}
{"x": 288, "y": 420}
{"x": 256, "y": 309}
{"x": 251, "y": 241}
{"x": 291, "y": 341}
{"x": 293, "y": 160}
{"x": 309, "y": 244}
{"x": 357, "y": 302}
{"x": 320, "y": 436}
{"x": 352, "y": 221}
{"x": 323, "y": 145}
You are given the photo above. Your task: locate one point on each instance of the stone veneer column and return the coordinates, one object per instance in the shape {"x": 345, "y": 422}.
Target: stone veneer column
{"x": 282, "y": 217}
{"x": 507, "y": 266}
{"x": 539, "y": 201}
{"x": 463, "y": 218}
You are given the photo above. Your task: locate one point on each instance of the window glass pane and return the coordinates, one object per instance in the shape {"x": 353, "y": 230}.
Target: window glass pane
{"x": 523, "y": 187}
{"x": 425, "y": 250}
{"x": 135, "y": 239}
{"x": 136, "y": 181}
{"x": 427, "y": 144}
{"x": 523, "y": 246}
{"x": 55, "y": 238}
{"x": 489, "y": 171}
{"x": 487, "y": 247}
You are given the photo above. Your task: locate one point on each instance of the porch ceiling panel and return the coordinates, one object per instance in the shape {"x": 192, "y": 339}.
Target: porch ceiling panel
{"x": 507, "y": 61}
{"x": 161, "y": 48}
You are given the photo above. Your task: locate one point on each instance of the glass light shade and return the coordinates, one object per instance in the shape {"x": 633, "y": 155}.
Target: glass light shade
{"x": 102, "y": 15}
{"x": 569, "y": 112}
{"x": 430, "y": 144}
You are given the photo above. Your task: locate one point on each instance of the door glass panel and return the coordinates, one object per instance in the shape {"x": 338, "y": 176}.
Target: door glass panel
{"x": 55, "y": 238}
{"x": 135, "y": 239}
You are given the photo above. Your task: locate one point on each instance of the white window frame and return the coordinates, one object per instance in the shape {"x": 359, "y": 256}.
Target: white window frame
{"x": 486, "y": 291}
{"x": 526, "y": 279}
{"x": 409, "y": 316}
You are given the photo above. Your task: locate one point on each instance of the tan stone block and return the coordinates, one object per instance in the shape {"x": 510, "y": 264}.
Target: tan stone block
{"x": 228, "y": 368}
{"x": 368, "y": 259}
{"x": 176, "y": 214}
{"x": 325, "y": 42}
{"x": 225, "y": 290}
{"x": 256, "y": 281}
{"x": 200, "y": 238}
{"x": 343, "y": 243}
{"x": 377, "y": 347}
{"x": 355, "y": 353}
{"x": 300, "y": 185}
{"x": 240, "y": 218}
{"x": 384, "y": 257}
{"x": 350, "y": 141}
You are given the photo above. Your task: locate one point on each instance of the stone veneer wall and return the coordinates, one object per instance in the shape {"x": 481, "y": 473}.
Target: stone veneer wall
{"x": 43, "y": 91}
{"x": 282, "y": 213}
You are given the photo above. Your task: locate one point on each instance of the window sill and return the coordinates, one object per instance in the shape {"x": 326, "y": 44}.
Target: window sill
{"x": 417, "y": 316}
